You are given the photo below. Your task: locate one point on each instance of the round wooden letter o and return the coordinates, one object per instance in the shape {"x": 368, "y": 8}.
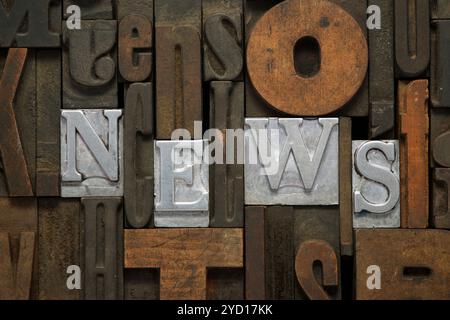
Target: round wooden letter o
{"x": 343, "y": 57}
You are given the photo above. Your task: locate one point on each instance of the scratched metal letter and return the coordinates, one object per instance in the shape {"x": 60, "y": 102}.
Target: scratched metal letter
{"x": 376, "y": 184}
{"x": 291, "y": 161}
{"x": 91, "y": 153}
{"x": 181, "y": 184}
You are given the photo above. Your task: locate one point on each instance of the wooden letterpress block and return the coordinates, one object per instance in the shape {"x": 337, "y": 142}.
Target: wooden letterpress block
{"x": 131, "y": 7}
{"x": 440, "y": 67}
{"x": 440, "y": 9}
{"x": 92, "y": 10}
{"x": 440, "y": 137}
{"x": 441, "y": 198}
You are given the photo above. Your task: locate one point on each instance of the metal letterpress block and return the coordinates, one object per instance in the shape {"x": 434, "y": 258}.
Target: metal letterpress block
{"x": 227, "y": 180}
{"x": 17, "y": 122}
{"x": 440, "y": 138}
{"x": 172, "y": 251}
{"x": 440, "y": 9}
{"x": 138, "y": 155}
{"x": 135, "y": 45}
{"x": 30, "y": 24}
{"x": 412, "y": 37}
{"x": 92, "y": 10}
{"x": 293, "y": 86}
{"x": 91, "y": 153}
{"x": 255, "y": 282}
{"x": 178, "y": 65}
{"x": 89, "y": 65}
{"x": 18, "y": 249}
{"x": 101, "y": 243}
{"x": 412, "y": 264}
{"x": 141, "y": 7}
{"x": 59, "y": 244}
{"x": 381, "y": 75}
{"x": 48, "y": 102}
{"x": 440, "y": 67}
{"x": 291, "y": 161}
{"x": 413, "y": 133}
{"x": 441, "y": 198}
{"x": 223, "y": 36}
{"x": 376, "y": 184}
{"x": 181, "y": 184}
{"x": 345, "y": 186}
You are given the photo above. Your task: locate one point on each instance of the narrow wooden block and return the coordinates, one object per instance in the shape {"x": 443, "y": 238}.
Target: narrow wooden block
{"x": 440, "y": 67}
{"x": 441, "y": 198}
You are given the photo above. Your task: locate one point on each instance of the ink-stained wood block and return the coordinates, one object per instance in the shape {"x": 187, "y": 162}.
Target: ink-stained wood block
{"x": 413, "y": 264}
{"x": 48, "y": 103}
{"x": 345, "y": 186}
{"x": 255, "y": 282}
{"x": 225, "y": 284}
{"x": 18, "y": 122}
{"x": 440, "y": 9}
{"x": 412, "y": 38}
{"x": 227, "y": 180}
{"x": 30, "y": 24}
{"x": 18, "y": 249}
{"x": 381, "y": 75}
{"x": 440, "y": 137}
{"x": 138, "y": 155}
{"x": 101, "y": 248}
{"x": 135, "y": 45}
{"x": 141, "y": 7}
{"x": 141, "y": 284}
{"x": 172, "y": 251}
{"x": 413, "y": 133}
{"x": 178, "y": 65}
{"x": 441, "y": 198}
{"x": 59, "y": 244}
{"x": 440, "y": 67}
{"x": 91, "y": 48}
{"x": 223, "y": 57}
{"x": 92, "y": 10}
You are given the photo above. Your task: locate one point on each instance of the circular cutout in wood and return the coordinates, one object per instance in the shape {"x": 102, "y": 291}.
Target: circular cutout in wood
{"x": 330, "y": 45}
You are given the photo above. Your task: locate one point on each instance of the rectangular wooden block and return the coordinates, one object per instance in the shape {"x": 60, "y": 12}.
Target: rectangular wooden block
{"x": 440, "y": 67}
{"x": 92, "y": 10}
{"x": 101, "y": 248}
{"x": 18, "y": 249}
{"x": 439, "y": 137}
{"x": 441, "y": 198}
{"x": 226, "y": 180}
{"x": 138, "y": 155}
{"x": 413, "y": 264}
{"x": 48, "y": 103}
{"x": 178, "y": 65}
{"x": 140, "y": 7}
{"x": 440, "y": 9}
{"x": 413, "y": 133}
{"x": 223, "y": 54}
{"x": 18, "y": 122}
{"x": 59, "y": 244}
{"x": 141, "y": 284}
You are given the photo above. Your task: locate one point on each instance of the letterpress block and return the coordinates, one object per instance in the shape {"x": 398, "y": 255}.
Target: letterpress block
{"x": 135, "y": 45}
{"x": 59, "y": 243}
{"x": 440, "y": 9}
{"x": 141, "y": 284}
{"x": 345, "y": 186}
{"x": 441, "y": 198}
{"x": 18, "y": 122}
{"x": 131, "y": 7}
{"x": 412, "y": 264}
{"x": 178, "y": 65}
{"x": 227, "y": 178}
{"x": 18, "y": 249}
{"x": 376, "y": 184}
{"x": 92, "y": 10}
{"x": 255, "y": 281}
{"x": 138, "y": 155}
{"x": 91, "y": 153}
{"x": 223, "y": 36}
{"x": 89, "y": 65}
{"x": 440, "y": 138}
{"x": 413, "y": 132}
{"x": 440, "y": 67}
{"x": 30, "y": 24}
{"x": 101, "y": 242}
{"x": 48, "y": 103}
{"x": 225, "y": 284}
{"x": 412, "y": 37}
{"x": 171, "y": 251}
{"x": 297, "y": 87}
{"x": 381, "y": 75}
{"x": 181, "y": 184}
{"x": 291, "y": 161}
